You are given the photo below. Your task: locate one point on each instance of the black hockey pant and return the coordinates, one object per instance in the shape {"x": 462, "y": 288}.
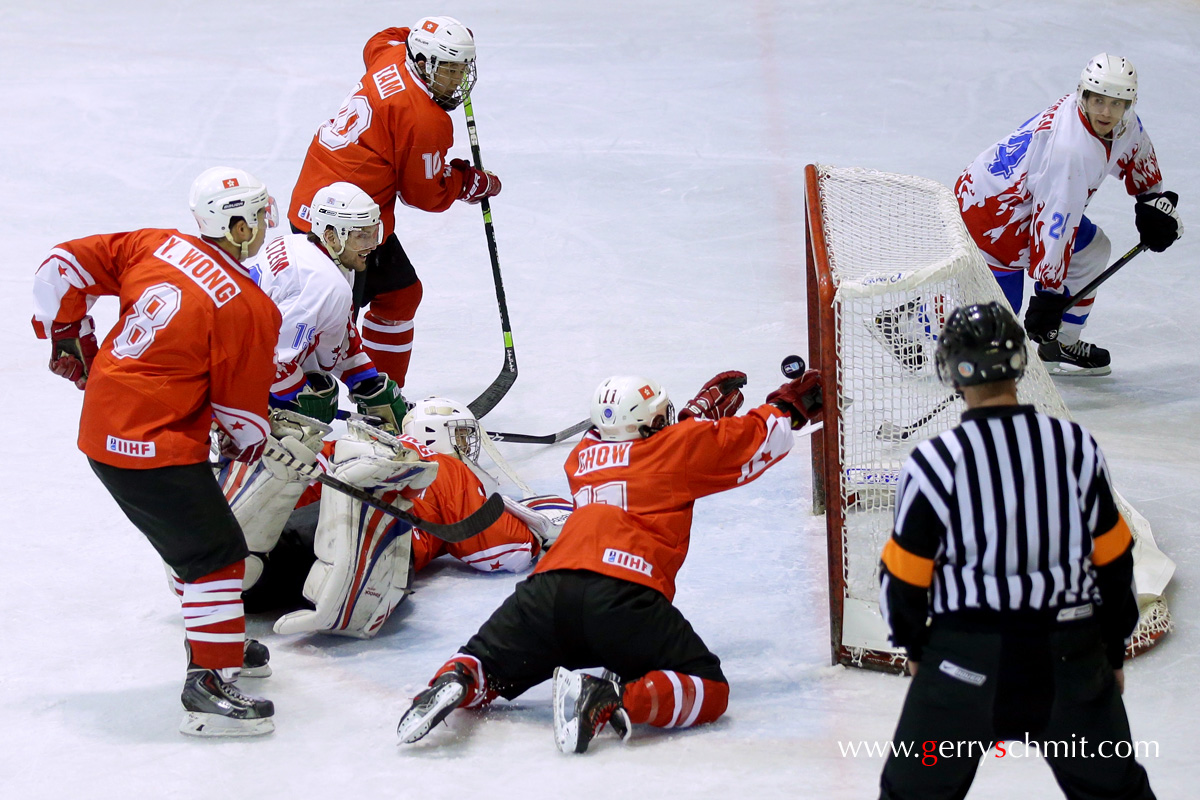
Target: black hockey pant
{"x": 1052, "y": 688}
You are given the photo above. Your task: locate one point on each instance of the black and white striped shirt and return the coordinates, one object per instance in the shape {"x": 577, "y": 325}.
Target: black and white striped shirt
{"x": 1010, "y": 512}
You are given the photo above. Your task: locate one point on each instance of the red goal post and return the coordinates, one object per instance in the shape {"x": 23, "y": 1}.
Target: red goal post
{"x": 887, "y": 259}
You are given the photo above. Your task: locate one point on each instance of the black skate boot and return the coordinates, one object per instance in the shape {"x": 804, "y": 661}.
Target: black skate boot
{"x": 215, "y": 707}
{"x": 434, "y": 704}
{"x": 1081, "y": 358}
{"x": 255, "y": 660}
{"x": 583, "y": 704}
{"x": 896, "y": 329}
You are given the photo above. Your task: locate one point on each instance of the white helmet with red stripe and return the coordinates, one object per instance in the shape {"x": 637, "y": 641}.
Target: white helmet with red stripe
{"x": 627, "y": 407}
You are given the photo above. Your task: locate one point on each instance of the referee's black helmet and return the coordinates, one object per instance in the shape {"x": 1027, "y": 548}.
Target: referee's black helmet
{"x": 981, "y": 343}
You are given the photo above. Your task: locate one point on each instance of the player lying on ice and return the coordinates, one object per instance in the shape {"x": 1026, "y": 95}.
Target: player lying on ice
{"x": 602, "y": 596}
{"x": 358, "y": 564}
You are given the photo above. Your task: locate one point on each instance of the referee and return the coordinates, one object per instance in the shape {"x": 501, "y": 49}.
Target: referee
{"x": 1008, "y": 580}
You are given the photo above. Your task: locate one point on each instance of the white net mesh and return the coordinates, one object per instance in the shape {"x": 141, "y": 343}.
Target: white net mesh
{"x": 901, "y": 260}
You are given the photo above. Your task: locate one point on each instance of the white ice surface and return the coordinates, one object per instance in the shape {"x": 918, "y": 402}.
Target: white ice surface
{"x": 651, "y": 221}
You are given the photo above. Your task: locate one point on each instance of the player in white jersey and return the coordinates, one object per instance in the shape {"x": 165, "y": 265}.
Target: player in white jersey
{"x": 310, "y": 277}
{"x": 1023, "y": 201}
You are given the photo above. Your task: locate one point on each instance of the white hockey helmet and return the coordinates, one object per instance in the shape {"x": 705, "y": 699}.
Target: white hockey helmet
{"x": 628, "y": 407}
{"x": 221, "y": 194}
{"x": 441, "y": 51}
{"x": 350, "y": 212}
{"x": 1111, "y": 76}
{"x": 443, "y": 426}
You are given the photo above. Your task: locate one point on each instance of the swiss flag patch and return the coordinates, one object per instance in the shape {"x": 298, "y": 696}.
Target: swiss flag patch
{"x": 230, "y": 183}
{"x": 430, "y": 26}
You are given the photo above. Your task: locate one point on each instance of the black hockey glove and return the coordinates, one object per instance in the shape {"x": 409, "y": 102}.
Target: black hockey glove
{"x": 1044, "y": 316}
{"x": 1157, "y": 220}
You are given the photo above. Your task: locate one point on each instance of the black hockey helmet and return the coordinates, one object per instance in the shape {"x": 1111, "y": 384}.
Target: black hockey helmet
{"x": 981, "y": 343}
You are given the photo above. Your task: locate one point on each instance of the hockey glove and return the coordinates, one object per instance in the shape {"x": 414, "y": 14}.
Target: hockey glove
{"x": 1044, "y": 316}
{"x": 319, "y": 397}
{"x": 74, "y": 348}
{"x": 380, "y": 397}
{"x": 1157, "y": 220}
{"x": 800, "y": 398}
{"x": 720, "y": 397}
{"x": 477, "y": 183}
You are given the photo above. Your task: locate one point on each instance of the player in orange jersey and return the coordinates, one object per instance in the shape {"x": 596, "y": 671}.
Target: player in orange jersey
{"x": 601, "y": 597}
{"x": 391, "y": 138}
{"x": 193, "y": 347}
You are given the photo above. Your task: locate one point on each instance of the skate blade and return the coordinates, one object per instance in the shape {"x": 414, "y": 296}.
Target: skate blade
{"x": 566, "y": 724}
{"x": 256, "y": 672}
{"x": 196, "y": 723}
{"x": 1060, "y": 369}
{"x": 414, "y": 726}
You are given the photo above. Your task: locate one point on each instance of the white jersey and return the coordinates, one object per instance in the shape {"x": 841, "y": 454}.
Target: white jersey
{"x": 1023, "y": 198}
{"x": 315, "y": 297}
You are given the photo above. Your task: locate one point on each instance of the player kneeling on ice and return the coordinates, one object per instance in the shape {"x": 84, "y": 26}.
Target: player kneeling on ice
{"x": 1024, "y": 201}
{"x": 358, "y": 564}
{"x": 602, "y": 596}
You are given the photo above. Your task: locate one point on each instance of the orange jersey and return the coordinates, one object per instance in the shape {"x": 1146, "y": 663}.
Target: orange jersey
{"x": 389, "y": 138}
{"x": 195, "y": 340}
{"x": 454, "y": 495}
{"x": 633, "y": 500}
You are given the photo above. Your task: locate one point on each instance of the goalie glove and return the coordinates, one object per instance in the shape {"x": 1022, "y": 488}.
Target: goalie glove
{"x": 720, "y": 397}
{"x": 1157, "y": 220}
{"x": 379, "y": 396}
{"x": 73, "y": 348}
{"x": 362, "y": 572}
{"x": 800, "y": 398}
{"x": 544, "y": 515}
{"x": 379, "y": 467}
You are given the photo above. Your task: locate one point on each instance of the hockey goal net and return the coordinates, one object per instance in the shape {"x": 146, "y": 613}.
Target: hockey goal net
{"x": 888, "y": 260}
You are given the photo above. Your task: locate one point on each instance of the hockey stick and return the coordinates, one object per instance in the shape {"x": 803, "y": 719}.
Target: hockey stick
{"x": 1103, "y": 276}
{"x": 549, "y": 438}
{"x": 452, "y": 532}
{"x": 891, "y": 432}
{"x": 508, "y": 372}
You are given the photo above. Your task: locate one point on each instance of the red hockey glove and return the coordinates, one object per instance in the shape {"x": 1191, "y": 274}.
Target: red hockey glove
{"x": 800, "y": 398}
{"x": 232, "y": 450}
{"x": 477, "y": 183}
{"x": 74, "y": 348}
{"x": 720, "y": 397}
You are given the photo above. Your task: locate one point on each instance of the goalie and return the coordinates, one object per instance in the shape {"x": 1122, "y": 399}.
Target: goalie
{"x": 356, "y": 566}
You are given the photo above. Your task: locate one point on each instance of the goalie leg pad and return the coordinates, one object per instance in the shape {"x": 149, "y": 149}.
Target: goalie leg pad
{"x": 260, "y": 501}
{"x": 362, "y": 572}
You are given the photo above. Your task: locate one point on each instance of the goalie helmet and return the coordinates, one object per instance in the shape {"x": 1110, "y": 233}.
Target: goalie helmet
{"x": 350, "y": 213}
{"x": 628, "y": 407}
{"x": 444, "y": 426}
{"x": 221, "y": 194}
{"x": 981, "y": 343}
{"x": 1111, "y": 76}
{"x": 441, "y": 52}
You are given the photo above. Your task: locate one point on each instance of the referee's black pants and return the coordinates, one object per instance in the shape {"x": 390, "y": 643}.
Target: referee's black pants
{"x": 1052, "y": 686}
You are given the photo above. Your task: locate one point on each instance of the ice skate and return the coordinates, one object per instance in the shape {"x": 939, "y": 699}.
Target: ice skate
{"x": 895, "y": 329}
{"x": 433, "y": 705}
{"x": 583, "y": 704}
{"x": 215, "y": 707}
{"x": 1081, "y": 358}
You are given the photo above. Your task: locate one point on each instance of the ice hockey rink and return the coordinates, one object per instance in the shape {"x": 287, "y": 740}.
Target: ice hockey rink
{"x": 652, "y": 155}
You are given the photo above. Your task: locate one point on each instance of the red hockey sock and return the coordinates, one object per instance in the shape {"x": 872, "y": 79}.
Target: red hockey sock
{"x": 669, "y": 699}
{"x": 213, "y": 617}
{"x": 387, "y": 330}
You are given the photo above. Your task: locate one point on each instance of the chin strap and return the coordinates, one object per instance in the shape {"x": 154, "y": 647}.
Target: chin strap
{"x": 243, "y": 247}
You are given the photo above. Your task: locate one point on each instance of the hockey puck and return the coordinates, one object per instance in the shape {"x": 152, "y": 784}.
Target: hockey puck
{"x": 792, "y": 366}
